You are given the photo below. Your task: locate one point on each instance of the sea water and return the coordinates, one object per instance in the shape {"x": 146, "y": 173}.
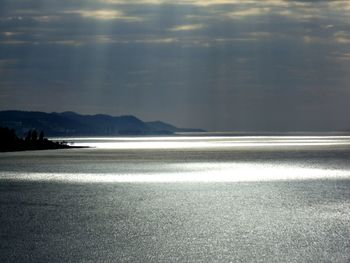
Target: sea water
{"x": 178, "y": 199}
{"x": 180, "y": 158}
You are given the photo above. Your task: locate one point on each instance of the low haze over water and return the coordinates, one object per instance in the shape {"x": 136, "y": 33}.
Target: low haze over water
{"x": 179, "y": 198}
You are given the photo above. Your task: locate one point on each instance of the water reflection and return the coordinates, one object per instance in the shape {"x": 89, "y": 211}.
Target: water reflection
{"x": 208, "y": 142}
{"x": 192, "y": 172}
{"x": 191, "y": 159}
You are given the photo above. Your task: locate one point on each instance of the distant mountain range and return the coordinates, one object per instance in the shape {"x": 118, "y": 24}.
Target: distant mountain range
{"x": 73, "y": 124}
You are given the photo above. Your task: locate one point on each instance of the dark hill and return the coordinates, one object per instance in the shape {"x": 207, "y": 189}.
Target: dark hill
{"x": 73, "y": 124}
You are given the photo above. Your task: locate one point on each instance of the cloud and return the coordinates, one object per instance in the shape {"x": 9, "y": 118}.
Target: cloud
{"x": 328, "y": 26}
{"x": 66, "y": 42}
{"x": 190, "y": 27}
{"x": 340, "y": 56}
{"x": 104, "y": 14}
{"x": 9, "y": 34}
{"x": 171, "y": 2}
{"x": 302, "y": 14}
{"x": 312, "y": 39}
{"x": 14, "y": 42}
{"x": 342, "y": 37}
{"x": 208, "y": 52}
{"x": 46, "y": 18}
{"x": 261, "y": 34}
{"x": 168, "y": 40}
{"x": 209, "y": 2}
{"x": 255, "y": 11}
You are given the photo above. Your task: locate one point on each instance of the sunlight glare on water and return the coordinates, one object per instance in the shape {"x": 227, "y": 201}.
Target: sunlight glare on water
{"x": 186, "y": 159}
{"x": 207, "y": 142}
{"x": 193, "y": 172}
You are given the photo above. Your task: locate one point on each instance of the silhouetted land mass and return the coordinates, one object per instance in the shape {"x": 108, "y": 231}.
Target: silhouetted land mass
{"x": 10, "y": 142}
{"x": 73, "y": 124}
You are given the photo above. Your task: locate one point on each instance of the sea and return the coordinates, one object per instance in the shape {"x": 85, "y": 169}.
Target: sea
{"x": 181, "y": 198}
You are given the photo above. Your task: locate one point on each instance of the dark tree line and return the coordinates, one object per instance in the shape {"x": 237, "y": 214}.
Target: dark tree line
{"x": 9, "y": 141}
{"x": 32, "y": 136}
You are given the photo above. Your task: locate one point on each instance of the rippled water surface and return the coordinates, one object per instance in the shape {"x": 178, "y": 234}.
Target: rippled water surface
{"x": 171, "y": 159}
{"x": 178, "y": 199}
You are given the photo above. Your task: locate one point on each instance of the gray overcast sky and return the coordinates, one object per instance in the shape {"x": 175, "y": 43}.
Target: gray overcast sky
{"x": 212, "y": 64}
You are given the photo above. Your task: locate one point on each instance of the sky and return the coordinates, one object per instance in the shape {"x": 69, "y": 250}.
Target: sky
{"x": 220, "y": 65}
